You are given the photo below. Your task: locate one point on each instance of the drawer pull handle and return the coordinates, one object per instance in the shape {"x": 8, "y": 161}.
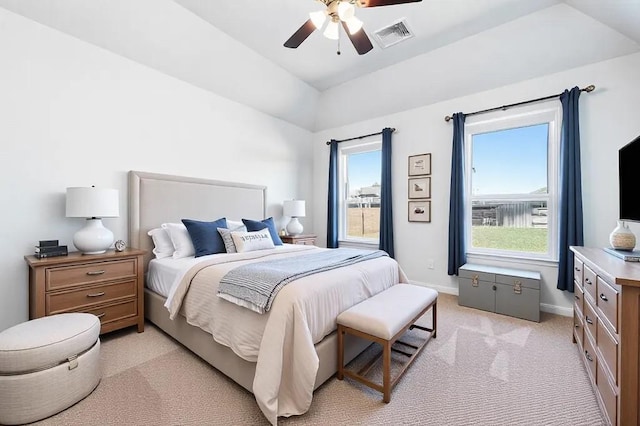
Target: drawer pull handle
{"x": 95, "y": 272}
{"x": 589, "y": 320}
{"x": 474, "y": 281}
{"x": 588, "y": 281}
{"x": 603, "y": 297}
{"x": 517, "y": 287}
{"x": 100, "y": 315}
{"x": 577, "y": 326}
{"x": 588, "y": 356}
{"x": 577, "y": 269}
{"x": 96, "y": 294}
{"x": 577, "y": 297}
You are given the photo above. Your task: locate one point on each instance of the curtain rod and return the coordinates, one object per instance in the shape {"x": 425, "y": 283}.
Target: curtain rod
{"x": 361, "y": 137}
{"x": 587, "y": 89}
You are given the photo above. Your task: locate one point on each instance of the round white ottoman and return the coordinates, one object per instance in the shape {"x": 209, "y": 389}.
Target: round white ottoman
{"x": 47, "y": 365}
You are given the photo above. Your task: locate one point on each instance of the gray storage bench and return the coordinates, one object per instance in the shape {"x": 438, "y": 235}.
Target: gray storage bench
{"x": 383, "y": 319}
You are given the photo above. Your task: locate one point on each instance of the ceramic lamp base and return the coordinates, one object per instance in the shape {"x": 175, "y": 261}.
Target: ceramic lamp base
{"x": 94, "y": 238}
{"x": 294, "y": 227}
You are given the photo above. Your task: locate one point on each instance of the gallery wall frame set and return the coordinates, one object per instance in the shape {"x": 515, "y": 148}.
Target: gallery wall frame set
{"x": 419, "y": 188}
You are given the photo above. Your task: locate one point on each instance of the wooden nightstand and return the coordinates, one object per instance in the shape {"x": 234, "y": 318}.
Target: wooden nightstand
{"x": 109, "y": 285}
{"x": 308, "y": 239}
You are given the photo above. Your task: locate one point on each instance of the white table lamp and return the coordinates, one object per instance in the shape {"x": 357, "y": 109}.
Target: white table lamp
{"x": 294, "y": 209}
{"x": 93, "y": 204}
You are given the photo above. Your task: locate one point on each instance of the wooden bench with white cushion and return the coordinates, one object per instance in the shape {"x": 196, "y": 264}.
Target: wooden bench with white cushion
{"x": 383, "y": 319}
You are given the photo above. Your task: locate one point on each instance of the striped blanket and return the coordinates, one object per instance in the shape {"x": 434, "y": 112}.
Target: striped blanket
{"x": 255, "y": 285}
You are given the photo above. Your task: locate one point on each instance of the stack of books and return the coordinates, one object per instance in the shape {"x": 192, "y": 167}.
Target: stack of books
{"x": 50, "y": 248}
{"x": 626, "y": 255}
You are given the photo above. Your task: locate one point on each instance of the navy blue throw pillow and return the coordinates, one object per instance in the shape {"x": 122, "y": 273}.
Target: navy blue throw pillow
{"x": 205, "y": 236}
{"x": 255, "y": 225}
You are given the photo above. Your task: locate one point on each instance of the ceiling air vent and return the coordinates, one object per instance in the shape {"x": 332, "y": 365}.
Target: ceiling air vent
{"x": 393, "y": 34}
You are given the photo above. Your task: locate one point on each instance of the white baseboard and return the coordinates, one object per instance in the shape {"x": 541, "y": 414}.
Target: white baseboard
{"x": 544, "y": 307}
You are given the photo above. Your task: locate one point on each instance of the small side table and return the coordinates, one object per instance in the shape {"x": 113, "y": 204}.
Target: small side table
{"x": 305, "y": 239}
{"x": 108, "y": 285}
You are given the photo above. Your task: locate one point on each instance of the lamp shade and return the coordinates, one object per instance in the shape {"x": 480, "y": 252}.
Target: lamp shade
{"x": 92, "y": 202}
{"x": 293, "y": 208}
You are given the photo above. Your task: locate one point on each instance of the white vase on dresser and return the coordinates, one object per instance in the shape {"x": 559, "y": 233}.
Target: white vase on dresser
{"x": 621, "y": 238}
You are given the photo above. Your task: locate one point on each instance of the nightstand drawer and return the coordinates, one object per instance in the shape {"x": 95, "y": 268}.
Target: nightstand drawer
{"x": 58, "y": 278}
{"x": 115, "y": 312}
{"x": 88, "y": 296}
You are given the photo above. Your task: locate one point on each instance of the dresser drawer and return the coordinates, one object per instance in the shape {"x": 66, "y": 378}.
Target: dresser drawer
{"x": 68, "y": 276}
{"x": 578, "y": 297}
{"x": 590, "y": 320}
{"x": 114, "y": 312}
{"x": 88, "y": 296}
{"x": 589, "y": 280}
{"x": 608, "y": 396}
{"x": 607, "y": 301}
{"x": 578, "y": 328}
{"x": 608, "y": 347}
{"x": 590, "y": 358}
{"x": 577, "y": 271}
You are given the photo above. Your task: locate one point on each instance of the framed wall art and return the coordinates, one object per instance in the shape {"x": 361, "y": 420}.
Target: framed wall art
{"x": 420, "y": 165}
{"x": 420, "y": 211}
{"x": 420, "y": 187}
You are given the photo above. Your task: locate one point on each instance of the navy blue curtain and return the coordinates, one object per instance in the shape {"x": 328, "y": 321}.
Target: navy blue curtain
{"x": 570, "y": 223}
{"x": 386, "y": 210}
{"x": 457, "y": 249}
{"x": 332, "y": 210}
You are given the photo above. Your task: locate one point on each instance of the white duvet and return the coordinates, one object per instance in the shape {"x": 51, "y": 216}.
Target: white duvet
{"x": 281, "y": 341}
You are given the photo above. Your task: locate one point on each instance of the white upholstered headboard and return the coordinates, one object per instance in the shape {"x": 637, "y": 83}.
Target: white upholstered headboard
{"x": 156, "y": 198}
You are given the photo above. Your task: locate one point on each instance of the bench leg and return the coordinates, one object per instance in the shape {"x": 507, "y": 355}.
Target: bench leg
{"x": 340, "y": 352}
{"x": 386, "y": 371}
{"x": 434, "y": 313}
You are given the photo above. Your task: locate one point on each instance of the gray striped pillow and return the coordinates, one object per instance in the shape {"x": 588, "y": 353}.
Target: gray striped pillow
{"x": 225, "y": 233}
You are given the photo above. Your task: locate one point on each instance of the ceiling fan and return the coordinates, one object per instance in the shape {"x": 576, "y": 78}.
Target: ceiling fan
{"x": 340, "y": 12}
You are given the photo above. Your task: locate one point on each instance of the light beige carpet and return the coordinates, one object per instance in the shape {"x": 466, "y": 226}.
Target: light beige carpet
{"x": 483, "y": 369}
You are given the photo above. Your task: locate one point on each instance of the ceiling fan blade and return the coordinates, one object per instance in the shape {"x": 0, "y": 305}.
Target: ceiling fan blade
{"x": 301, "y": 35}
{"x": 360, "y": 40}
{"x": 376, "y": 3}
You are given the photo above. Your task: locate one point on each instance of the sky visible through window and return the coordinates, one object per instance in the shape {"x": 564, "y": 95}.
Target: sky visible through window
{"x": 512, "y": 161}
{"x": 365, "y": 169}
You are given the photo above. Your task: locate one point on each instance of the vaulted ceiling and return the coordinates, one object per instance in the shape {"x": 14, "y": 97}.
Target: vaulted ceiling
{"x": 235, "y": 48}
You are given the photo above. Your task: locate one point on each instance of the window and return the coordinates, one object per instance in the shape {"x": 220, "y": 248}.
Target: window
{"x": 511, "y": 183}
{"x": 360, "y": 171}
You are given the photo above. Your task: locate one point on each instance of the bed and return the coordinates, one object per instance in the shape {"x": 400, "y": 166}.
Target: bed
{"x": 155, "y": 199}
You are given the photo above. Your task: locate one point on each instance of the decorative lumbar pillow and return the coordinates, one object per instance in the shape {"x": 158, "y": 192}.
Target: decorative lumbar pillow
{"x": 163, "y": 247}
{"x": 180, "y": 239}
{"x": 225, "y": 233}
{"x": 254, "y": 225}
{"x": 251, "y": 241}
{"x": 205, "y": 237}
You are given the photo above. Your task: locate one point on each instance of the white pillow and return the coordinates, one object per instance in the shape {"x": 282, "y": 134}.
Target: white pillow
{"x": 163, "y": 247}
{"x": 251, "y": 241}
{"x": 180, "y": 239}
{"x": 235, "y": 225}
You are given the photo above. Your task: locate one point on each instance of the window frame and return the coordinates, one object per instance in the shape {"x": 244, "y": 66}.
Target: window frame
{"x": 344, "y": 150}
{"x": 547, "y": 112}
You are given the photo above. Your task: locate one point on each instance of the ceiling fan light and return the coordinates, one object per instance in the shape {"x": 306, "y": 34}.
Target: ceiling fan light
{"x": 346, "y": 10}
{"x": 318, "y": 18}
{"x": 331, "y": 32}
{"x": 354, "y": 25}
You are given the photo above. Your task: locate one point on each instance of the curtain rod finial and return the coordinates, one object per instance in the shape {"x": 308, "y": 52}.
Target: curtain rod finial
{"x": 590, "y": 88}
{"x": 448, "y": 118}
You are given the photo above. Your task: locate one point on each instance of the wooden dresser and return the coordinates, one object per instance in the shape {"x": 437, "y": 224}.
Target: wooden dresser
{"x": 109, "y": 285}
{"x": 606, "y": 329}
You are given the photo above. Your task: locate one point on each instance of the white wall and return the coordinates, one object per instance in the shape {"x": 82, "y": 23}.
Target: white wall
{"x": 608, "y": 118}
{"x": 72, "y": 114}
